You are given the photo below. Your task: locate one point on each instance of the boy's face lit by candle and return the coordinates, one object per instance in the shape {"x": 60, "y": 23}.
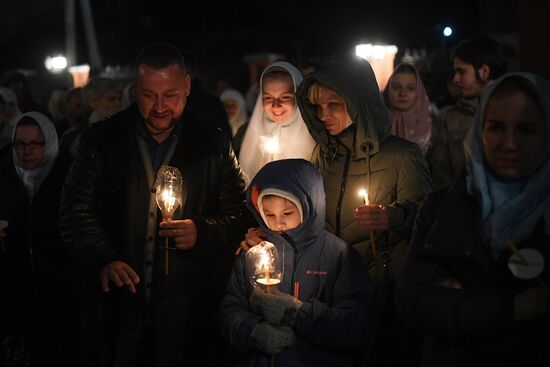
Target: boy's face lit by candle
{"x": 281, "y": 214}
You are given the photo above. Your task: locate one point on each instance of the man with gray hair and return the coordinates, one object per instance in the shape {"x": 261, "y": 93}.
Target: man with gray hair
{"x": 103, "y": 96}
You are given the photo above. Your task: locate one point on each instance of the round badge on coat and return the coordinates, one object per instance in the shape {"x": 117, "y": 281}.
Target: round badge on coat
{"x": 527, "y": 266}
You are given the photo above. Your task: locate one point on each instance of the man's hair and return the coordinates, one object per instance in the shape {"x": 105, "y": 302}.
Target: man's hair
{"x": 160, "y": 56}
{"x": 97, "y": 86}
{"x": 483, "y": 50}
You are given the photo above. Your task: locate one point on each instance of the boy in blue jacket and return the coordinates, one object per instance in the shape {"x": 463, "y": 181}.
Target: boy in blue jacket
{"x": 325, "y": 322}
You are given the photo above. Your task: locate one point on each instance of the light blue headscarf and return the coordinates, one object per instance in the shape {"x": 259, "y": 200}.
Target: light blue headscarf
{"x": 510, "y": 210}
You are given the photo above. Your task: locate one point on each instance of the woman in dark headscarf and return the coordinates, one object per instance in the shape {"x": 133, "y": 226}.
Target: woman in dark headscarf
{"x": 476, "y": 278}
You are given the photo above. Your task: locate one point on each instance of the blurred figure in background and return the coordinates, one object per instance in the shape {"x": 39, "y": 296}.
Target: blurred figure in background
{"x": 19, "y": 84}
{"x": 409, "y": 107}
{"x": 77, "y": 121}
{"x": 11, "y": 115}
{"x": 128, "y": 95}
{"x": 235, "y": 108}
{"x": 57, "y": 108}
{"x": 103, "y": 96}
{"x": 4, "y": 140}
{"x": 477, "y": 63}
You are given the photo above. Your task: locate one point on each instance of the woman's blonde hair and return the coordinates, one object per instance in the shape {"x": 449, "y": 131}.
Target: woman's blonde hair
{"x": 315, "y": 89}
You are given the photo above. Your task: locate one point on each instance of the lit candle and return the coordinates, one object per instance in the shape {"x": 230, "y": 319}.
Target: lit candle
{"x": 363, "y": 193}
{"x": 270, "y": 146}
{"x": 169, "y": 188}
{"x": 266, "y": 280}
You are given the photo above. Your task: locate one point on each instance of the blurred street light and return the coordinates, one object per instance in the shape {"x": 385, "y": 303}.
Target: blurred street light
{"x": 56, "y": 64}
{"x": 381, "y": 58}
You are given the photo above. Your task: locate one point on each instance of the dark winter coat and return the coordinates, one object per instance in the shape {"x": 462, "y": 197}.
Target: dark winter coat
{"x": 472, "y": 326}
{"x": 332, "y": 281}
{"x": 364, "y": 156}
{"x": 107, "y": 203}
{"x": 447, "y": 157}
{"x": 35, "y": 272}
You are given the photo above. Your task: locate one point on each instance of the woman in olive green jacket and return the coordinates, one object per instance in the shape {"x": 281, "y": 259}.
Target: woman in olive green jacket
{"x": 343, "y": 110}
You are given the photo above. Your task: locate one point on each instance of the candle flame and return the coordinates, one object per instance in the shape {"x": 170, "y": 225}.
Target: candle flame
{"x": 169, "y": 199}
{"x": 364, "y": 194}
{"x": 271, "y": 145}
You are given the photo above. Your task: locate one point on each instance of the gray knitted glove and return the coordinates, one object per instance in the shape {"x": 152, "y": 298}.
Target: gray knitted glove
{"x": 276, "y": 308}
{"x": 271, "y": 339}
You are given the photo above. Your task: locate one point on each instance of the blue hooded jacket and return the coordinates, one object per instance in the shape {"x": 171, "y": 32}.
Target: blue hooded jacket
{"x": 329, "y": 276}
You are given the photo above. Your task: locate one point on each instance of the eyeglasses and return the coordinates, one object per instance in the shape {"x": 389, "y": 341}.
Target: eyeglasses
{"x": 33, "y": 145}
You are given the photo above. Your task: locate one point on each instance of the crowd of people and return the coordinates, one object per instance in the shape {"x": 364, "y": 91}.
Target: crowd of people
{"x": 400, "y": 233}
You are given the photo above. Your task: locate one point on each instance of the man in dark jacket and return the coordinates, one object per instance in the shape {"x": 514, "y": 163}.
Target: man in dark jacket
{"x": 110, "y": 221}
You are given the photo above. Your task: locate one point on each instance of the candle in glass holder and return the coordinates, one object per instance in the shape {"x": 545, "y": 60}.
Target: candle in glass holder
{"x": 262, "y": 261}
{"x": 168, "y": 194}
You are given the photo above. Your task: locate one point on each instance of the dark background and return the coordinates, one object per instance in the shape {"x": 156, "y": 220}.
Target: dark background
{"x": 220, "y": 36}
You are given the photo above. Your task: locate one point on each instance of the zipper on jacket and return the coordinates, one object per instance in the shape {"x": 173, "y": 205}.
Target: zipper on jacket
{"x": 343, "y": 181}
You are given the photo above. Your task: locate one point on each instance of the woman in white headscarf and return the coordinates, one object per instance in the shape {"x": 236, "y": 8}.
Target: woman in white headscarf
{"x": 35, "y": 275}
{"x": 276, "y": 129}
{"x": 34, "y": 159}
{"x": 235, "y": 107}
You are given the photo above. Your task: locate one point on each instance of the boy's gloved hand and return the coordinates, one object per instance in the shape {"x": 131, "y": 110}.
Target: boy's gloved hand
{"x": 277, "y": 308}
{"x": 272, "y": 339}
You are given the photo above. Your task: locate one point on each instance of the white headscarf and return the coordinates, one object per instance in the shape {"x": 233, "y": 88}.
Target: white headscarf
{"x": 281, "y": 193}
{"x": 240, "y": 116}
{"x": 32, "y": 179}
{"x": 292, "y": 136}
{"x": 510, "y": 210}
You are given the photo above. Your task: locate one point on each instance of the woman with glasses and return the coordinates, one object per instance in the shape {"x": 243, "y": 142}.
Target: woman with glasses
{"x": 34, "y": 275}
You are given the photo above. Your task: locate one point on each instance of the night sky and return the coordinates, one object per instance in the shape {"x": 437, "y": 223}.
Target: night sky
{"x": 220, "y": 35}
{"x": 223, "y": 33}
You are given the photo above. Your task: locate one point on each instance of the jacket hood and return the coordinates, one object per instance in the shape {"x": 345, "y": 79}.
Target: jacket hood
{"x": 299, "y": 178}
{"x": 354, "y": 80}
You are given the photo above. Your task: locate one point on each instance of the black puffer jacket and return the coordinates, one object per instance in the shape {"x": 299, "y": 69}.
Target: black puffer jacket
{"x": 105, "y": 207}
